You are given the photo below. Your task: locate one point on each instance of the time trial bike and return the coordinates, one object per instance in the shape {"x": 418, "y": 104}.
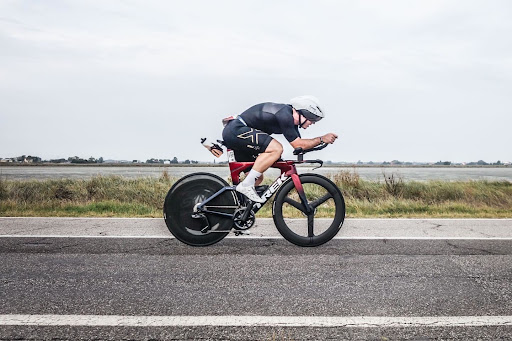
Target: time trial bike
{"x": 308, "y": 209}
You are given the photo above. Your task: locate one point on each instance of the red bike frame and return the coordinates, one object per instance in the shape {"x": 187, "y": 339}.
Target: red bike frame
{"x": 287, "y": 169}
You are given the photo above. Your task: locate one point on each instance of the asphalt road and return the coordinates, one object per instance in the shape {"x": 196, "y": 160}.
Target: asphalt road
{"x": 83, "y": 270}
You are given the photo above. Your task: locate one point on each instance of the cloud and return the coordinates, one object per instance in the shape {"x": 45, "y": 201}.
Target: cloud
{"x": 403, "y": 67}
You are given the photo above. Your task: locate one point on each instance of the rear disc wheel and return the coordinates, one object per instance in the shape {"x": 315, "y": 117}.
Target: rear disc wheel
{"x": 199, "y": 229}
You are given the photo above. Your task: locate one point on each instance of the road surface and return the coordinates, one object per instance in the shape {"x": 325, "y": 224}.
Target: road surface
{"x": 126, "y": 279}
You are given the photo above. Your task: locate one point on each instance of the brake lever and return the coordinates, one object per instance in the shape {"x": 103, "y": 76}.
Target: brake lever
{"x": 319, "y": 162}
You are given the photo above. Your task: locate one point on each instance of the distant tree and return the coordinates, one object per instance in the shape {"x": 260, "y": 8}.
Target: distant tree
{"x": 33, "y": 158}
{"x": 174, "y": 160}
{"x": 481, "y": 163}
{"x": 186, "y": 162}
{"x": 100, "y": 160}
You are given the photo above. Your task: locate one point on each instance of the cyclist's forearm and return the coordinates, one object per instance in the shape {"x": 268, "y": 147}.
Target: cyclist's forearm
{"x": 306, "y": 143}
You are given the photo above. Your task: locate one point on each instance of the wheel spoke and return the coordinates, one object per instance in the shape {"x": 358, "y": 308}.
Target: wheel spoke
{"x": 295, "y": 204}
{"x": 321, "y": 200}
{"x": 311, "y": 218}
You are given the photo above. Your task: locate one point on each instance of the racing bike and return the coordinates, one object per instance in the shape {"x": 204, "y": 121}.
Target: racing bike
{"x": 308, "y": 209}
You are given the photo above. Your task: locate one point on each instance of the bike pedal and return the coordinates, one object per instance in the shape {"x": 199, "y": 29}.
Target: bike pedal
{"x": 261, "y": 189}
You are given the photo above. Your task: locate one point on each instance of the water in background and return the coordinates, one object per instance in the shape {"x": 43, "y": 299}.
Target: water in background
{"x": 408, "y": 174}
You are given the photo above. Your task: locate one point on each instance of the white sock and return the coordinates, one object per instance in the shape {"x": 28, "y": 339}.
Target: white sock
{"x": 250, "y": 179}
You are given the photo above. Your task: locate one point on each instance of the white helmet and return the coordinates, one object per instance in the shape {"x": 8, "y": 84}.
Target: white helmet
{"x": 308, "y": 107}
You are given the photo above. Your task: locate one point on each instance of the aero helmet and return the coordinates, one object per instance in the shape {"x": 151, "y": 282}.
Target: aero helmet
{"x": 308, "y": 107}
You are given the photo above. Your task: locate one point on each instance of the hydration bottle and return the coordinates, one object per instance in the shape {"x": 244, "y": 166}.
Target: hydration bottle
{"x": 213, "y": 147}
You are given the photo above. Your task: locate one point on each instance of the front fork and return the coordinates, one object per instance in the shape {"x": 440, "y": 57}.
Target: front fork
{"x": 300, "y": 190}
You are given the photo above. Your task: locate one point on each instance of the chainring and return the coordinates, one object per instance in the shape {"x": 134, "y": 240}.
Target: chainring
{"x": 243, "y": 225}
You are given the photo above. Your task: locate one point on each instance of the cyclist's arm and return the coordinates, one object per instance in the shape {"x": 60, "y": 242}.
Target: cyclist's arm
{"x": 311, "y": 143}
{"x": 305, "y": 143}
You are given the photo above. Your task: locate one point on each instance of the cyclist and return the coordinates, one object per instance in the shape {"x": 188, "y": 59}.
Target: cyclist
{"x": 248, "y": 135}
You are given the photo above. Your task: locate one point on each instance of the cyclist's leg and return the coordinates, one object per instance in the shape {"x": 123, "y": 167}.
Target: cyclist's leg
{"x": 271, "y": 154}
{"x": 259, "y": 180}
{"x": 253, "y": 142}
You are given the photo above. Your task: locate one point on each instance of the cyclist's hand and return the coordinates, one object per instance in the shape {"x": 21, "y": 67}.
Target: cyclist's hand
{"x": 329, "y": 138}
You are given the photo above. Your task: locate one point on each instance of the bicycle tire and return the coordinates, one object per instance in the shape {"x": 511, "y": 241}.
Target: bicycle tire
{"x": 319, "y": 191}
{"x": 179, "y": 205}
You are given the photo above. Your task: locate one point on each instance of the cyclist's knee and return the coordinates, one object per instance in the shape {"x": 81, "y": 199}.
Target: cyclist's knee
{"x": 275, "y": 147}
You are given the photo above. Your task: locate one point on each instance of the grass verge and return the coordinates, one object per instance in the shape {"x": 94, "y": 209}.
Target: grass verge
{"x": 115, "y": 196}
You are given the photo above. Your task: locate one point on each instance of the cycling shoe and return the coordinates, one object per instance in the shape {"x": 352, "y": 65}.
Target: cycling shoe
{"x": 249, "y": 192}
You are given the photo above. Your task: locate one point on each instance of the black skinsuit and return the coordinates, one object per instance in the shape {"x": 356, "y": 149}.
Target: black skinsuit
{"x": 248, "y": 135}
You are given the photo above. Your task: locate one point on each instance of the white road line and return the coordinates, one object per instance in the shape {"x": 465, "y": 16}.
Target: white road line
{"x": 347, "y": 219}
{"x": 252, "y": 237}
{"x": 255, "y": 321}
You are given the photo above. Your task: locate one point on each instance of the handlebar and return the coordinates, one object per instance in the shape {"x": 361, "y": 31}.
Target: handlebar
{"x": 300, "y": 153}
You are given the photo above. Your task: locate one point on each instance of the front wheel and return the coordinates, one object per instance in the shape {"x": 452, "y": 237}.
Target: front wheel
{"x": 317, "y": 226}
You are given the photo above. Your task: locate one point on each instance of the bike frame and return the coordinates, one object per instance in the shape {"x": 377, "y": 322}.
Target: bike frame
{"x": 287, "y": 169}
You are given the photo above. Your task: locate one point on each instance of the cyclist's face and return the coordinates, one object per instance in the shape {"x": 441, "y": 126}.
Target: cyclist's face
{"x": 298, "y": 118}
{"x": 307, "y": 124}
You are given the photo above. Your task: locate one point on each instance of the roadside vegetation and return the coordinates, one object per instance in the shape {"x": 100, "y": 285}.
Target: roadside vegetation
{"x": 115, "y": 196}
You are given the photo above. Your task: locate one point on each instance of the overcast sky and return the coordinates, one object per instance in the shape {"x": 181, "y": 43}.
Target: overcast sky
{"x": 406, "y": 80}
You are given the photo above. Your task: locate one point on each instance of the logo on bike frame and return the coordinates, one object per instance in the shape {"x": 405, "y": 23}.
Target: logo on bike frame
{"x": 271, "y": 190}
